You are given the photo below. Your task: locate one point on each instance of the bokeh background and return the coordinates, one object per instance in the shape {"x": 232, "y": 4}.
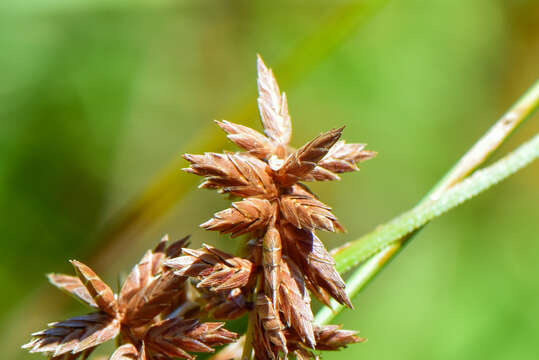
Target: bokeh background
{"x": 99, "y": 98}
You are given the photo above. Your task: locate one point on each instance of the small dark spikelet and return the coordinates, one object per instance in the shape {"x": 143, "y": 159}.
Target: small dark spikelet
{"x": 177, "y": 337}
{"x": 300, "y": 163}
{"x": 251, "y": 140}
{"x": 243, "y": 217}
{"x": 74, "y": 335}
{"x": 237, "y": 174}
{"x": 215, "y": 269}
{"x": 270, "y": 324}
{"x": 97, "y": 288}
{"x": 304, "y": 211}
{"x": 343, "y": 157}
{"x": 72, "y": 286}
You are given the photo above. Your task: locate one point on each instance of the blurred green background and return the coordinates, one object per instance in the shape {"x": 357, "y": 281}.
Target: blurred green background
{"x": 98, "y": 96}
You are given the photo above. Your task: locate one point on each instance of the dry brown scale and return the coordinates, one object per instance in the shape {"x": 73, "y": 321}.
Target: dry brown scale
{"x": 146, "y": 317}
{"x": 280, "y": 216}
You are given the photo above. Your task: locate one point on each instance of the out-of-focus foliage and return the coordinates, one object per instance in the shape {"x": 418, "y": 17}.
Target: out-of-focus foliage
{"x": 96, "y": 97}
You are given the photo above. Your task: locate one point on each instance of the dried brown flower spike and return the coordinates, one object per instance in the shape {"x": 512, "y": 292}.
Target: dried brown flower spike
{"x": 280, "y": 215}
{"x": 141, "y": 316}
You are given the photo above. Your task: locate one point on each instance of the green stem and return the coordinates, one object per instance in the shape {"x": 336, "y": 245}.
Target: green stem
{"x": 359, "y": 250}
{"x": 520, "y": 111}
{"x": 395, "y": 232}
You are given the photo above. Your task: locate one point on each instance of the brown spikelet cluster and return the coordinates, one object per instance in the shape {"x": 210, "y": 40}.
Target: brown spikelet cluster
{"x": 157, "y": 312}
{"x": 286, "y": 261}
{"x": 145, "y": 317}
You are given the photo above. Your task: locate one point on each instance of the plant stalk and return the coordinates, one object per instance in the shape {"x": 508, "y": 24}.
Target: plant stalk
{"x": 394, "y": 232}
{"x": 522, "y": 109}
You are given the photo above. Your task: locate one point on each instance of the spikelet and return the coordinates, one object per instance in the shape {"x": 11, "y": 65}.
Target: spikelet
{"x": 74, "y": 335}
{"x": 302, "y": 162}
{"x": 243, "y": 217}
{"x": 237, "y": 174}
{"x": 343, "y": 157}
{"x": 328, "y": 337}
{"x": 214, "y": 269}
{"x": 175, "y": 337}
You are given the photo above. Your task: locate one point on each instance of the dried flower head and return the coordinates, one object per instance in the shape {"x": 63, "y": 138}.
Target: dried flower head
{"x": 144, "y": 316}
{"x": 280, "y": 215}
